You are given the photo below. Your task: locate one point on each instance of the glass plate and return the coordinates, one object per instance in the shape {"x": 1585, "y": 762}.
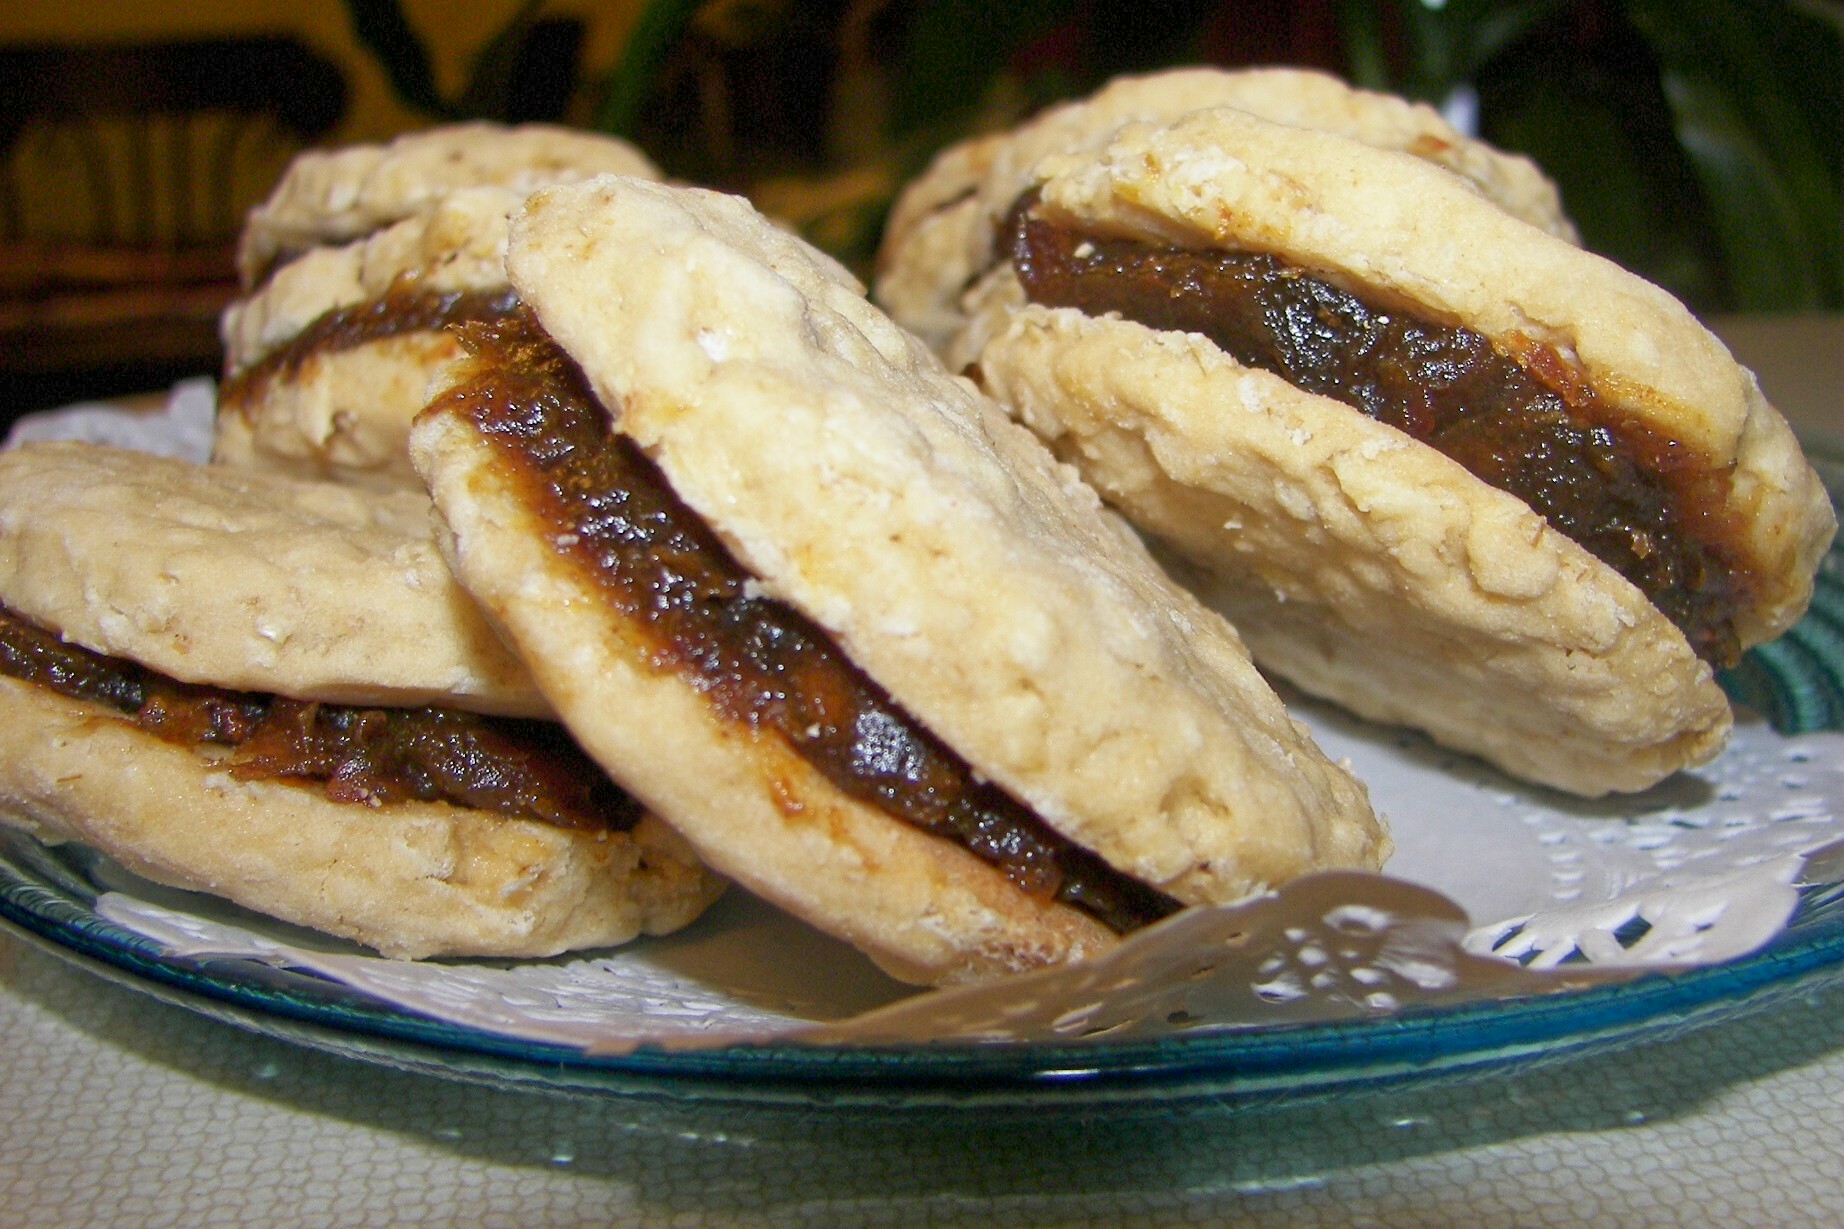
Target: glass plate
{"x": 50, "y": 896}
{"x": 47, "y": 894}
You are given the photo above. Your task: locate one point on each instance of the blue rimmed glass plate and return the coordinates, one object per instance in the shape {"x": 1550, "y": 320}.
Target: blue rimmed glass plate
{"x": 51, "y": 896}
{"x": 48, "y": 895}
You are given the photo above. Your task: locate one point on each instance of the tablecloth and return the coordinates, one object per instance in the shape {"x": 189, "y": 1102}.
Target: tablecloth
{"x": 122, "y": 1110}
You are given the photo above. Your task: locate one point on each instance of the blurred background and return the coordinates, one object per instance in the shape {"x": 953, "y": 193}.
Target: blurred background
{"x": 1697, "y": 142}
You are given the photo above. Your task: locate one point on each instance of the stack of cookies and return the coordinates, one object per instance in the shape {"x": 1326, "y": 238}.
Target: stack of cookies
{"x": 711, "y": 570}
{"x": 355, "y": 269}
{"x": 1349, "y": 369}
{"x": 824, "y": 608}
{"x": 258, "y": 678}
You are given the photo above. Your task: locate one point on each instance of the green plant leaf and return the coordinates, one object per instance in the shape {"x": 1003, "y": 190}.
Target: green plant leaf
{"x": 1366, "y": 47}
{"x": 1444, "y": 45}
{"x": 488, "y": 91}
{"x": 656, "y": 31}
{"x": 1497, "y": 27}
{"x": 1622, "y": 177}
{"x": 1764, "y": 141}
{"x": 380, "y": 25}
{"x": 954, "y": 48}
{"x": 1767, "y": 251}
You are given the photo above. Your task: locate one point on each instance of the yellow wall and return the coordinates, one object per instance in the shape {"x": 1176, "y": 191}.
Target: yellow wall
{"x": 453, "y": 32}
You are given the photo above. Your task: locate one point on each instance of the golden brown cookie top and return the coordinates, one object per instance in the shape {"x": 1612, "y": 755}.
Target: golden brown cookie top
{"x": 332, "y": 196}
{"x": 247, "y": 581}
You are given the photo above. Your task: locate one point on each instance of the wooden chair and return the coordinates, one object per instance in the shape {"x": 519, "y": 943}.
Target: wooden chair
{"x": 125, "y": 170}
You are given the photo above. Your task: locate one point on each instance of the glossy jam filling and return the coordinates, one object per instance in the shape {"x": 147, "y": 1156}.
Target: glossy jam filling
{"x": 402, "y": 310}
{"x": 372, "y": 756}
{"x": 760, "y": 663}
{"x": 1525, "y": 423}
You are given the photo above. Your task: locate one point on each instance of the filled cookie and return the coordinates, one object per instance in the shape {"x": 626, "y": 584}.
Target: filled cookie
{"x": 337, "y": 195}
{"x": 942, "y": 231}
{"x": 827, "y": 611}
{"x": 1435, "y": 462}
{"x": 273, "y": 691}
{"x": 355, "y": 266}
{"x": 327, "y": 363}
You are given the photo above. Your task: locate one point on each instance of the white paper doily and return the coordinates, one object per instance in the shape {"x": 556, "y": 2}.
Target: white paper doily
{"x": 1699, "y": 871}
{"x": 1497, "y": 888}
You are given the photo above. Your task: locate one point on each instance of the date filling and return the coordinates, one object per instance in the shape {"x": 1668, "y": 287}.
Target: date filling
{"x": 759, "y": 663}
{"x": 1524, "y": 421}
{"x": 368, "y": 756}
{"x": 403, "y": 309}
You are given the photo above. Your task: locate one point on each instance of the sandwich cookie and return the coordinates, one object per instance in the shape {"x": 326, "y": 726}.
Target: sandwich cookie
{"x": 828, "y": 612}
{"x": 358, "y": 262}
{"x": 329, "y": 361}
{"x": 1435, "y": 463}
{"x": 334, "y": 196}
{"x": 943, "y": 228}
{"x": 274, "y": 692}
